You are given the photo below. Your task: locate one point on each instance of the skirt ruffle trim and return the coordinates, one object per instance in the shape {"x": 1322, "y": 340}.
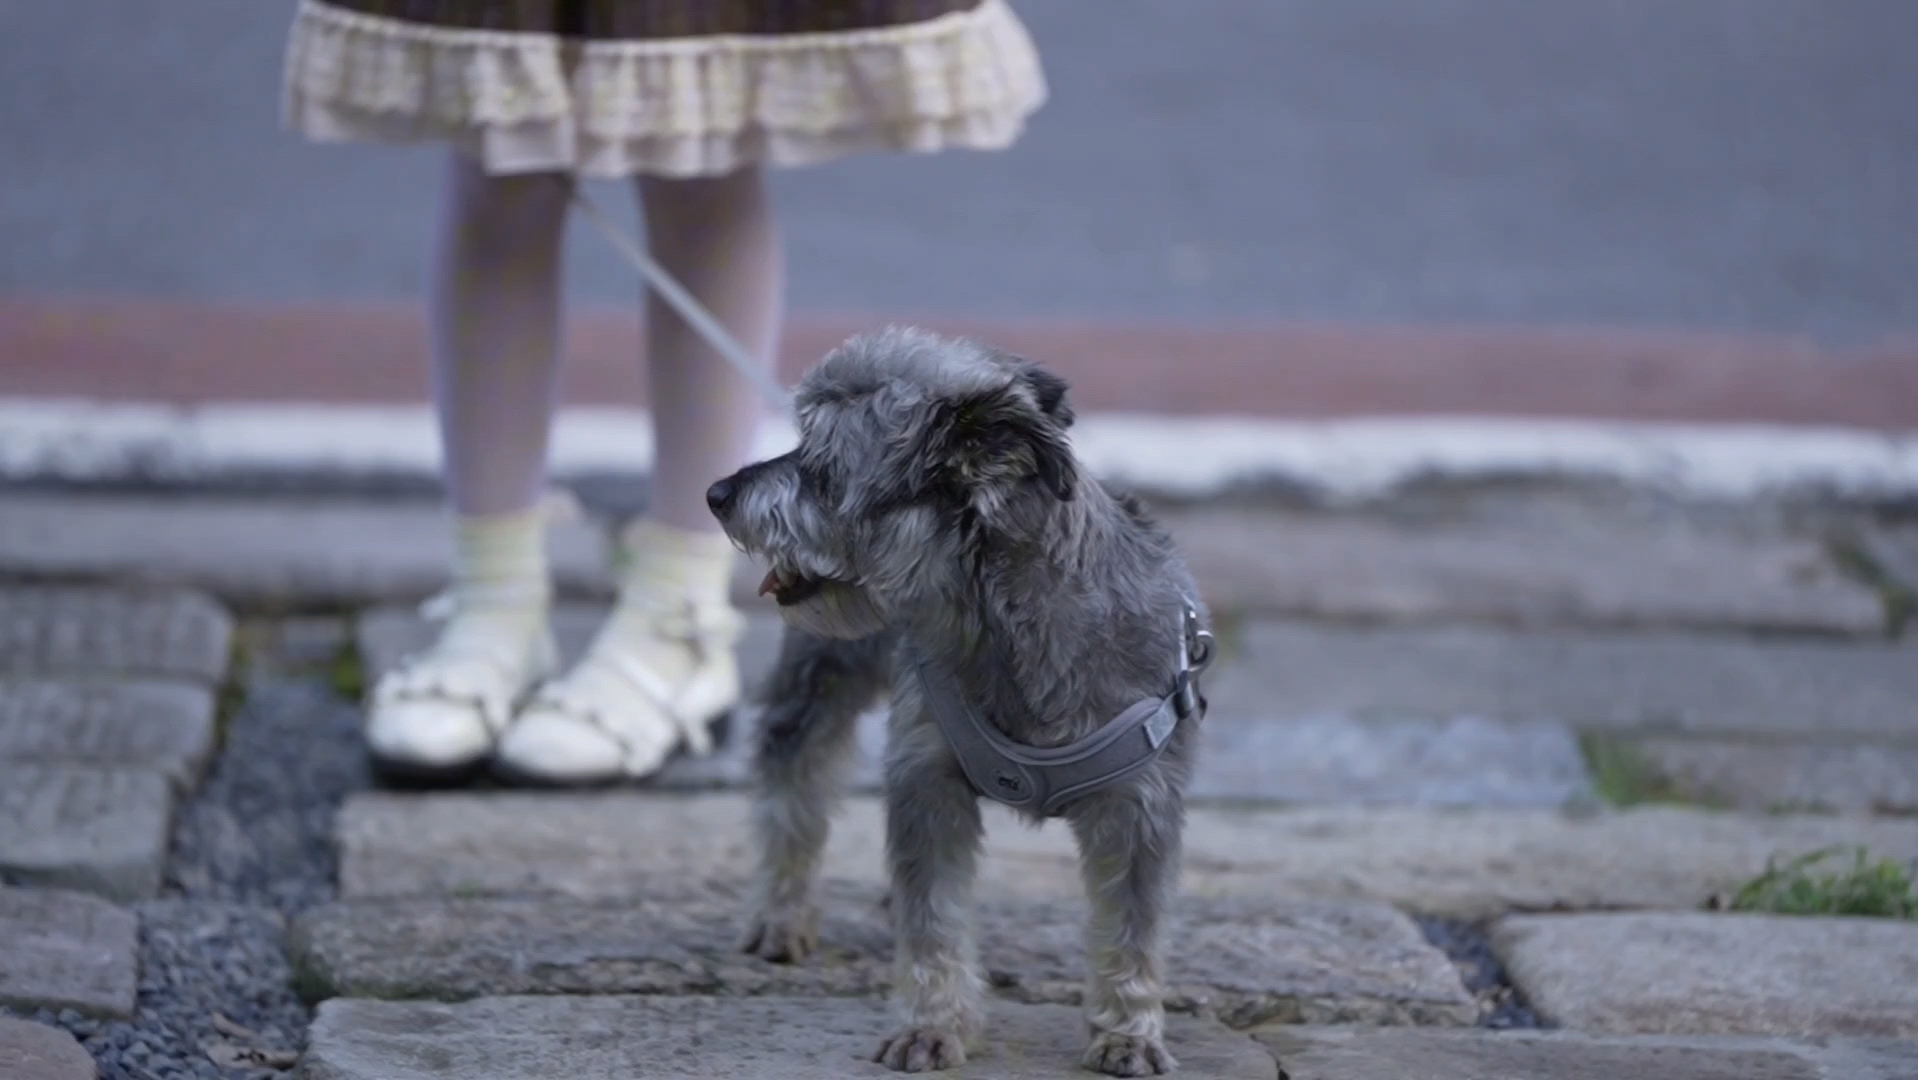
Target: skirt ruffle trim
{"x": 678, "y": 107}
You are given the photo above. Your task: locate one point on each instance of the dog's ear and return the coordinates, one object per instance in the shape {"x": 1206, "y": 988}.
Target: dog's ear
{"x": 1050, "y": 389}
{"x": 1010, "y": 433}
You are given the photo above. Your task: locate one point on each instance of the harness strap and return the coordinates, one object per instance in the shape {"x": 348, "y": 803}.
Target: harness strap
{"x": 1046, "y": 780}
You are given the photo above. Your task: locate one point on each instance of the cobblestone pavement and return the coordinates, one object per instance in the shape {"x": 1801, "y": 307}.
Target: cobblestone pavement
{"x": 1480, "y": 768}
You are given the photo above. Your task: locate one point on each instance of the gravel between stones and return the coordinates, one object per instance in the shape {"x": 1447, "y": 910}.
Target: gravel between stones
{"x": 204, "y": 966}
{"x": 1465, "y": 944}
{"x": 260, "y": 829}
{"x": 250, "y": 848}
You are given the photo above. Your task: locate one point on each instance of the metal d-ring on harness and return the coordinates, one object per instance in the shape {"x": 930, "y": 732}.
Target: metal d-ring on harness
{"x": 1045, "y": 781}
{"x": 1028, "y": 778}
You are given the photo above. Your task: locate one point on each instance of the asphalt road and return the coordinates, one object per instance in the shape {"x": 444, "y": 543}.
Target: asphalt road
{"x": 1724, "y": 164}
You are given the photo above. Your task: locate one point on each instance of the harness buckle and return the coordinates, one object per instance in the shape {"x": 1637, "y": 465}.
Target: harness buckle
{"x": 1186, "y": 698}
{"x": 1196, "y": 650}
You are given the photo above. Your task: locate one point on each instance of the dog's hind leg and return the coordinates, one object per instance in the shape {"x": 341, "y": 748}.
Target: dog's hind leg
{"x": 817, "y": 690}
{"x": 1129, "y": 847}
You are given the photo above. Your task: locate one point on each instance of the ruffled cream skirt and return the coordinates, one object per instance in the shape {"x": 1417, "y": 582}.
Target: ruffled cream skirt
{"x": 640, "y": 92}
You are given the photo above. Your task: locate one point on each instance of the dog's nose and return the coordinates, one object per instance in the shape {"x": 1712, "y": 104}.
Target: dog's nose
{"x": 720, "y": 495}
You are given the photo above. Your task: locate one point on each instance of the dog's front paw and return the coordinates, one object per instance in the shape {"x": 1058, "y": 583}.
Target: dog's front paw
{"x": 782, "y": 935}
{"x": 919, "y": 1049}
{"x": 1127, "y": 1055}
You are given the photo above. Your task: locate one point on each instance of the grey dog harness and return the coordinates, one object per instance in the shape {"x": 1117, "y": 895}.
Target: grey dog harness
{"x": 1045, "y": 781}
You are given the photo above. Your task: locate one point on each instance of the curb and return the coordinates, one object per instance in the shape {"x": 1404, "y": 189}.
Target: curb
{"x": 75, "y": 442}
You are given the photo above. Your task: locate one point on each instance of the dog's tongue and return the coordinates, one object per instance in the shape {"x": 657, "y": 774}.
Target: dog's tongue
{"x": 771, "y": 582}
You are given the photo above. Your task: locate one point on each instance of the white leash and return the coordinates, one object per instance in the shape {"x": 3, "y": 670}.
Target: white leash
{"x": 687, "y": 305}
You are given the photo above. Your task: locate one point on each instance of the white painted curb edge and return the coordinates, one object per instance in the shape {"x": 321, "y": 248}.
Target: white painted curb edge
{"x": 88, "y": 442}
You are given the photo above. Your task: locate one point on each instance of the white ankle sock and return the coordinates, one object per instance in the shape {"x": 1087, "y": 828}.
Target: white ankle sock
{"x": 500, "y": 588}
{"x": 673, "y": 586}
{"x": 501, "y": 551}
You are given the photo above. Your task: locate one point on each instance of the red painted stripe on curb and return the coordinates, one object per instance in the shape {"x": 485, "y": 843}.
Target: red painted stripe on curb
{"x": 181, "y": 353}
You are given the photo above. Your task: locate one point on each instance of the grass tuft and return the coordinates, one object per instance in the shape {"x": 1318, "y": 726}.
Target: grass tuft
{"x": 1623, "y": 776}
{"x": 1879, "y": 888}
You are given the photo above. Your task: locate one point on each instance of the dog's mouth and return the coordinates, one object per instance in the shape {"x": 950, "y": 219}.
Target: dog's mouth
{"x": 789, "y": 587}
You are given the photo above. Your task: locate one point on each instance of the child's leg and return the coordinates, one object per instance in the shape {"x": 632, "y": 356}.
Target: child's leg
{"x": 495, "y": 310}
{"x": 494, "y": 313}
{"x": 662, "y": 669}
{"x": 717, "y": 236}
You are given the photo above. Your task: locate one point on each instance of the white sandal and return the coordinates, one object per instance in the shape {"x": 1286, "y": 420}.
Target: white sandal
{"x": 438, "y": 715}
{"x": 613, "y": 717}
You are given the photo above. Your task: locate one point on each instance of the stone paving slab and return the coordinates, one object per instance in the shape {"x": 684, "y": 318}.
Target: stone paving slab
{"x": 1864, "y": 1059}
{"x": 1293, "y": 959}
{"x": 703, "y": 1038}
{"x": 1584, "y": 569}
{"x": 1343, "y": 760}
{"x": 1480, "y": 862}
{"x": 1256, "y": 959}
{"x": 1716, "y": 973}
{"x": 1800, "y": 775}
{"x": 1355, "y": 1053}
{"x": 1460, "y": 862}
{"x": 164, "y": 726}
{"x": 89, "y": 634}
{"x": 1648, "y": 681}
{"x": 262, "y": 551}
{"x": 67, "y": 950}
{"x": 589, "y": 845}
{"x": 95, "y": 830}
{"x": 38, "y": 1052}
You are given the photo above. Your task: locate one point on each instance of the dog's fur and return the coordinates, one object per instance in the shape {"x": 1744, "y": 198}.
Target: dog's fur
{"x": 934, "y": 495}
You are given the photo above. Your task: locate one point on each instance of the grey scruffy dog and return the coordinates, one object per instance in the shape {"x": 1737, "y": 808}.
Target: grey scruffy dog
{"x": 933, "y": 529}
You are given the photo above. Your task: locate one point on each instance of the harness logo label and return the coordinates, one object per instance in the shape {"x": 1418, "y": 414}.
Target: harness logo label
{"x": 1011, "y": 783}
